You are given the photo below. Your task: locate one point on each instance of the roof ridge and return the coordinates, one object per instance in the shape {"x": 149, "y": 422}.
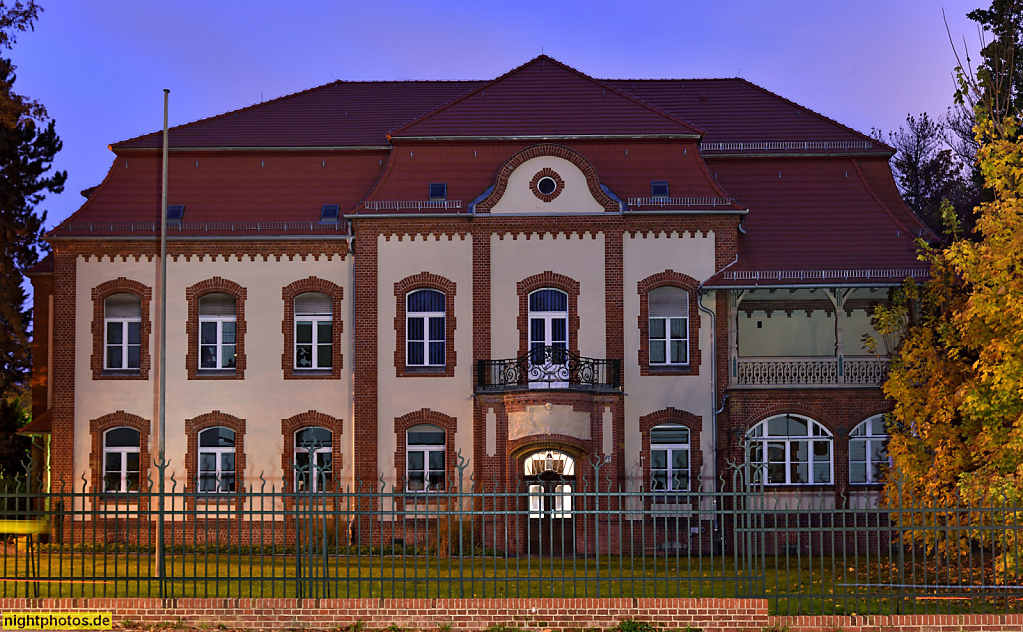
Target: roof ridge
{"x": 545, "y": 58}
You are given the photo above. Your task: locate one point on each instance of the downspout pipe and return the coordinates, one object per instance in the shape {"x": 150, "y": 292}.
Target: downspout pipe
{"x": 713, "y": 383}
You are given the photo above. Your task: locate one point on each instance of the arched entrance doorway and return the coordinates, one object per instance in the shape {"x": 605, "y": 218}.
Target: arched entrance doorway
{"x": 550, "y": 480}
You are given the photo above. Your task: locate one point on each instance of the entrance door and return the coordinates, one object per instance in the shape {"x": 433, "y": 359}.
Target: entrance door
{"x": 548, "y": 339}
{"x": 550, "y": 481}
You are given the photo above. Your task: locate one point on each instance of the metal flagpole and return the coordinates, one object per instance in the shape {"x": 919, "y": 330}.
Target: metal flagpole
{"x": 162, "y": 398}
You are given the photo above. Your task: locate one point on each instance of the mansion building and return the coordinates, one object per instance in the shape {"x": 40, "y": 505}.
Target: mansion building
{"x": 399, "y": 281}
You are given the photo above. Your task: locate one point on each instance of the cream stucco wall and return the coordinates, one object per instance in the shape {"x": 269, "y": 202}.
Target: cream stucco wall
{"x": 575, "y": 195}
{"x": 645, "y": 255}
{"x": 263, "y": 398}
{"x": 452, "y": 396}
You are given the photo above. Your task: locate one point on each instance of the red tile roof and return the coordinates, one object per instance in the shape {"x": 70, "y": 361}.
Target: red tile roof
{"x": 545, "y": 98}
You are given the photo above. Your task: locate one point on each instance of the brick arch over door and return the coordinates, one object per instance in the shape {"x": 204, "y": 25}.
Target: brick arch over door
{"x": 118, "y": 419}
{"x": 673, "y": 416}
{"x": 100, "y": 293}
{"x": 210, "y": 420}
{"x": 434, "y": 418}
{"x": 556, "y": 281}
{"x": 289, "y": 293}
{"x": 669, "y": 278}
{"x": 425, "y": 280}
{"x": 310, "y": 419}
{"x": 192, "y": 295}
{"x": 557, "y": 151}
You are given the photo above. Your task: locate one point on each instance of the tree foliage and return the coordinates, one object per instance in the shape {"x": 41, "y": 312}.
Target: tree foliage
{"x": 28, "y": 144}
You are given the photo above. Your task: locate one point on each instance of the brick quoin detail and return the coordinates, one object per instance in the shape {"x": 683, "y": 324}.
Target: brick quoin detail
{"x": 434, "y": 418}
{"x": 289, "y": 293}
{"x": 424, "y": 280}
{"x": 192, "y": 429}
{"x": 674, "y": 416}
{"x": 546, "y": 172}
{"x": 192, "y": 295}
{"x": 100, "y": 293}
{"x": 556, "y": 281}
{"x": 557, "y": 151}
{"x": 717, "y": 615}
{"x": 99, "y": 426}
{"x": 310, "y": 419}
{"x": 669, "y": 278}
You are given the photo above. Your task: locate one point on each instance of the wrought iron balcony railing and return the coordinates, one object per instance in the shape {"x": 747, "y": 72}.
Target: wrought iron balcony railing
{"x": 549, "y": 367}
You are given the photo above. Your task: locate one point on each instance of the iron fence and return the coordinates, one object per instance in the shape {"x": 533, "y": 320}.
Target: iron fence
{"x": 586, "y": 535}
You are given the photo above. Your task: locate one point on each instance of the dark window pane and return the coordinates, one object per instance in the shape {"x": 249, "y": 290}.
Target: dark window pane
{"x": 113, "y": 462}
{"x": 114, "y": 357}
{"x": 134, "y": 333}
{"x": 877, "y": 451}
{"x": 548, "y": 301}
{"x": 538, "y": 331}
{"x": 227, "y": 483}
{"x": 857, "y": 472}
{"x": 304, "y": 356}
{"x": 657, "y": 352}
{"x": 822, "y": 473}
{"x": 415, "y": 354}
{"x": 426, "y": 301}
{"x": 207, "y": 482}
{"x": 227, "y": 330}
{"x": 798, "y": 427}
{"x": 416, "y": 480}
{"x": 659, "y": 480}
{"x": 134, "y": 357}
{"x": 776, "y": 473}
{"x": 437, "y": 353}
{"x": 313, "y": 437}
{"x": 436, "y": 329}
{"x": 679, "y": 328}
{"x": 778, "y": 427}
{"x": 776, "y": 452}
{"x": 679, "y": 350}
{"x": 304, "y": 332}
{"x": 799, "y": 451}
{"x": 680, "y": 459}
{"x": 208, "y": 333}
{"x": 218, "y": 437}
{"x": 416, "y": 328}
{"x": 112, "y": 482}
{"x": 657, "y": 328}
{"x": 800, "y": 473}
{"x": 437, "y": 480}
{"x": 227, "y": 356}
{"x": 208, "y": 357}
{"x": 133, "y": 461}
{"x": 416, "y": 462}
{"x": 115, "y": 333}
{"x": 324, "y": 331}
{"x": 324, "y": 359}
{"x": 133, "y": 482}
{"x": 122, "y": 437}
{"x": 207, "y": 462}
{"x": 436, "y": 460}
{"x": 227, "y": 462}
{"x": 425, "y": 438}
{"x": 559, "y": 330}
{"x": 669, "y": 434}
{"x": 858, "y": 450}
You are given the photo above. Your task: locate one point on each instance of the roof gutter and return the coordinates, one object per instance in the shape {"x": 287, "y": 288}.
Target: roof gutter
{"x": 803, "y": 286}
{"x": 541, "y": 137}
{"x": 132, "y": 150}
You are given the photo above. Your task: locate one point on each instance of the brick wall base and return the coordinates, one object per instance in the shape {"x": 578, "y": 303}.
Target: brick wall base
{"x": 725, "y": 615}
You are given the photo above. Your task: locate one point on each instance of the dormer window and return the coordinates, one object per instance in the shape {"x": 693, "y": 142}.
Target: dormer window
{"x": 174, "y": 213}
{"x": 438, "y": 190}
{"x": 658, "y": 188}
{"x": 329, "y": 213}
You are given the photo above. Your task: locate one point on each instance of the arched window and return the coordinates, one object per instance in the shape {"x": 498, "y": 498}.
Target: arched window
{"x": 425, "y": 465}
{"x": 122, "y": 325}
{"x": 121, "y": 460}
{"x": 867, "y": 451}
{"x": 217, "y": 331}
{"x": 669, "y": 458}
{"x": 425, "y": 328}
{"x": 796, "y": 450}
{"x": 549, "y": 461}
{"x": 313, "y": 331}
{"x": 216, "y": 460}
{"x": 669, "y": 326}
{"x": 313, "y": 459}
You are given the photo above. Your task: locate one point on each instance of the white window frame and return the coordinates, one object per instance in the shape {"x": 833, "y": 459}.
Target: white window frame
{"x": 314, "y": 470}
{"x": 125, "y": 326}
{"x": 864, "y": 433}
{"x": 759, "y": 438}
{"x": 426, "y": 450}
{"x": 314, "y": 320}
{"x": 219, "y": 345}
{"x": 122, "y": 452}
{"x": 426, "y": 341}
{"x": 669, "y": 468}
{"x": 219, "y": 472}
{"x": 668, "y": 338}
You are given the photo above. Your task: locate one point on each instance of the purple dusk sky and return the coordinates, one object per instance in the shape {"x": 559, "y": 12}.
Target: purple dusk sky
{"x": 100, "y": 66}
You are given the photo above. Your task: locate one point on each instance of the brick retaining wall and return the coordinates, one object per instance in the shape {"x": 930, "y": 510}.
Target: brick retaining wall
{"x": 739, "y": 615}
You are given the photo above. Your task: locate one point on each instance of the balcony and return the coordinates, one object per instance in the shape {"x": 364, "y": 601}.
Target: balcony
{"x": 546, "y": 368}
{"x": 818, "y": 371}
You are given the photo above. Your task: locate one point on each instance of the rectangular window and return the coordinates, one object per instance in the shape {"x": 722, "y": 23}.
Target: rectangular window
{"x": 217, "y": 331}
{"x": 425, "y": 331}
{"x": 122, "y": 319}
{"x": 314, "y": 331}
{"x": 669, "y": 326}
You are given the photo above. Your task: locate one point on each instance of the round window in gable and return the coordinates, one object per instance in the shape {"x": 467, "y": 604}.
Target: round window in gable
{"x": 546, "y": 184}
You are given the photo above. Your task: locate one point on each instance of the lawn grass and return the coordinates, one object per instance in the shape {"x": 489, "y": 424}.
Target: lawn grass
{"x": 793, "y": 585}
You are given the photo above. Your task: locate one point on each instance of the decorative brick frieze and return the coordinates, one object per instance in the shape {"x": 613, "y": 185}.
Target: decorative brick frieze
{"x": 310, "y": 419}
{"x": 541, "y": 281}
{"x": 289, "y": 293}
{"x": 206, "y": 250}
{"x": 424, "y": 280}
{"x": 669, "y": 278}
{"x": 434, "y": 418}
{"x": 100, "y": 293}
{"x": 192, "y": 295}
{"x": 97, "y": 428}
{"x": 192, "y": 429}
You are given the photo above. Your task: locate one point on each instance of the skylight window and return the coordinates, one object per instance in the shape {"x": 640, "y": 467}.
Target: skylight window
{"x": 175, "y": 212}
{"x": 438, "y": 190}
{"x": 658, "y": 188}
{"x": 329, "y": 213}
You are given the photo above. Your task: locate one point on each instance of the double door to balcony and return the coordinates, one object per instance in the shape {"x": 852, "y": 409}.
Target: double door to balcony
{"x": 548, "y": 339}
